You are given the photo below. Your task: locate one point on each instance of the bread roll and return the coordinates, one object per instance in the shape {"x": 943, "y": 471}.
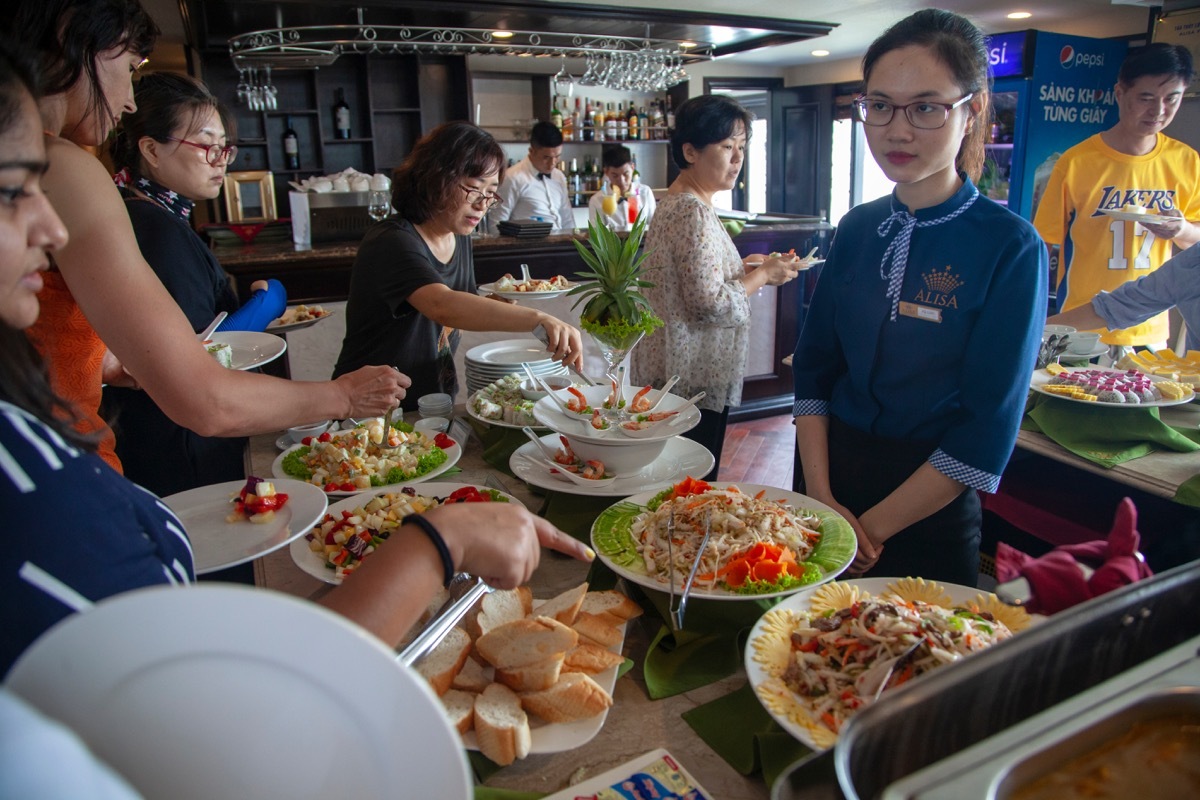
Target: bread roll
{"x": 565, "y": 606}
{"x": 526, "y": 641}
{"x": 473, "y": 677}
{"x": 591, "y": 658}
{"x": 575, "y": 696}
{"x": 444, "y": 662}
{"x": 501, "y": 726}
{"x": 612, "y": 603}
{"x": 595, "y": 628}
{"x": 460, "y": 708}
{"x": 532, "y": 677}
{"x": 504, "y": 606}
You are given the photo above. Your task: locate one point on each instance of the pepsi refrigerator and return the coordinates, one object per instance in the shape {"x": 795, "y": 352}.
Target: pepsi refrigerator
{"x": 1050, "y": 92}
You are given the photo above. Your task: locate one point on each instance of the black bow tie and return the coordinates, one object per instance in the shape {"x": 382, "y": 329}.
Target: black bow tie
{"x": 621, "y": 199}
{"x": 543, "y": 176}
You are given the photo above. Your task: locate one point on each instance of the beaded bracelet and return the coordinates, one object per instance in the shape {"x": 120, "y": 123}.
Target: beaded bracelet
{"x": 436, "y": 537}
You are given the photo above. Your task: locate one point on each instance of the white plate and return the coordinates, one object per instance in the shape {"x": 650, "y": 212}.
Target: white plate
{"x": 1129, "y": 216}
{"x": 217, "y": 544}
{"x": 295, "y": 326}
{"x": 680, "y": 457}
{"x": 560, "y": 736}
{"x": 490, "y": 288}
{"x": 799, "y": 601}
{"x": 1100, "y": 349}
{"x": 508, "y": 352}
{"x": 841, "y": 531}
{"x": 547, "y": 412}
{"x": 219, "y": 690}
{"x": 453, "y": 454}
{"x": 1041, "y": 378}
{"x": 250, "y": 349}
{"x": 314, "y": 565}
{"x": 496, "y": 423}
{"x": 802, "y": 265}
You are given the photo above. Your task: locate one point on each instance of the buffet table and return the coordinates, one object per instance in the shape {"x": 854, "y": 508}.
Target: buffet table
{"x": 635, "y": 723}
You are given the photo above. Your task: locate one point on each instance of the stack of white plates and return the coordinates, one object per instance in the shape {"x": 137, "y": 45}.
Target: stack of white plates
{"x": 490, "y": 362}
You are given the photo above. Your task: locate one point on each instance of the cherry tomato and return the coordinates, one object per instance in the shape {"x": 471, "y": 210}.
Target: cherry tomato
{"x": 324, "y": 437}
{"x": 307, "y": 440}
{"x": 331, "y": 487}
{"x": 443, "y": 441}
{"x": 347, "y": 487}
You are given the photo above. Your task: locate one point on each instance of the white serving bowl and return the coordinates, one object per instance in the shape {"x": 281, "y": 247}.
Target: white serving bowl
{"x": 1056, "y": 330}
{"x": 1082, "y": 342}
{"x": 298, "y": 433}
{"x": 548, "y": 413}
{"x": 621, "y": 457}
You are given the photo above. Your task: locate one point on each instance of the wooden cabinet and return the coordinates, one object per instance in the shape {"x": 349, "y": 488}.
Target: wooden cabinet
{"x": 392, "y": 99}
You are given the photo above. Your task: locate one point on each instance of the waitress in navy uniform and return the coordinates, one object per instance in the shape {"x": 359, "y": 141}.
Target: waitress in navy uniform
{"x": 913, "y": 365}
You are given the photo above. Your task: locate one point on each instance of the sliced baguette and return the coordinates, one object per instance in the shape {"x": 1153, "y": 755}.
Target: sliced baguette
{"x": 532, "y": 677}
{"x": 565, "y": 606}
{"x": 441, "y": 665}
{"x": 526, "y": 641}
{"x": 501, "y": 726}
{"x": 591, "y": 658}
{"x": 595, "y": 628}
{"x": 473, "y": 677}
{"x": 460, "y": 708}
{"x": 575, "y": 696}
{"x": 501, "y": 607}
{"x": 610, "y": 602}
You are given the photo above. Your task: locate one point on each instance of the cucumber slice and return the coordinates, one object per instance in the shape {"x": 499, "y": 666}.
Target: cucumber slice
{"x": 838, "y": 543}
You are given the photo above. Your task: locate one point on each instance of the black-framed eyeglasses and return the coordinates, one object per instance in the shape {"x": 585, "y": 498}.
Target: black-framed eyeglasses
{"x": 214, "y": 152}
{"x": 475, "y": 197}
{"x": 925, "y": 114}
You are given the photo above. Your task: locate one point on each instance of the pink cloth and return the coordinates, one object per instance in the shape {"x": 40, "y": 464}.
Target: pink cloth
{"x": 1056, "y": 579}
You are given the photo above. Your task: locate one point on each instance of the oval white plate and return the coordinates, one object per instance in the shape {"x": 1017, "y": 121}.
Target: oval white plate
{"x": 508, "y": 352}
{"x": 295, "y": 326}
{"x": 314, "y": 565}
{"x": 250, "y": 349}
{"x": 217, "y": 544}
{"x": 495, "y": 423}
{"x": 842, "y": 532}
{"x": 1041, "y": 378}
{"x": 490, "y": 288}
{"x": 757, "y": 675}
{"x": 217, "y": 691}
{"x": 680, "y": 457}
{"x": 1129, "y": 216}
{"x": 453, "y": 454}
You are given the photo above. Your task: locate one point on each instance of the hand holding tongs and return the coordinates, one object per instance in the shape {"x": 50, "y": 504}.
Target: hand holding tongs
{"x": 447, "y": 617}
{"x": 677, "y": 610}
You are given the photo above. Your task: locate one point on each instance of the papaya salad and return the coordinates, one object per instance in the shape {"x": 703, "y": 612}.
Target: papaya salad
{"x": 344, "y": 541}
{"x": 363, "y": 457}
{"x": 824, "y": 662}
{"x": 756, "y": 547}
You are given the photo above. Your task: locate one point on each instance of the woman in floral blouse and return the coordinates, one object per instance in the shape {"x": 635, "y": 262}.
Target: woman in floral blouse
{"x": 702, "y": 285}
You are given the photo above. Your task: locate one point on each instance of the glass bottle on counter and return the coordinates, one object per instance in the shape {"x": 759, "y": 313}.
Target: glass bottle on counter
{"x": 670, "y": 118}
{"x": 556, "y": 117}
{"x": 341, "y": 117}
{"x": 601, "y": 123}
{"x": 656, "y": 121}
{"x": 611, "y": 131}
{"x": 589, "y": 122}
{"x": 577, "y": 123}
{"x": 643, "y": 124}
{"x": 633, "y": 121}
{"x": 291, "y": 146}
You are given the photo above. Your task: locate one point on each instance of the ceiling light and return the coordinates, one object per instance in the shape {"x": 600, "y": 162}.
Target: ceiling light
{"x": 820, "y": 53}
{"x": 686, "y": 44}
{"x": 1020, "y": 15}
{"x": 502, "y": 34}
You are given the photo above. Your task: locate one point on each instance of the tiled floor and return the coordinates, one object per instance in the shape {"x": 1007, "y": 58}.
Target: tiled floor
{"x": 760, "y": 451}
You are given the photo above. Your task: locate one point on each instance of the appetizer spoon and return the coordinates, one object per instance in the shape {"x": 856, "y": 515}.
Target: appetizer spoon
{"x": 549, "y": 390}
{"x": 687, "y": 404}
{"x": 547, "y": 453}
{"x": 662, "y": 395}
{"x": 212, "y": 326}
{"x": 559, "y": 469}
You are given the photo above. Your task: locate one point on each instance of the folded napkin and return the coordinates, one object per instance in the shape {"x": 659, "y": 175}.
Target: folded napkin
{"x": 1105, "y": 435}
{"x": 1188, "y": 492}
{"x": 740, "y": 731}
{"x": 1073, "y": 573}
{"x": 498, "y": 443}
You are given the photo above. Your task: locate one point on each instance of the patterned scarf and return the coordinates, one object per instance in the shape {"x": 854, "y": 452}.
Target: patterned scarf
{"x": 172, "y": 201}
{"x": 898, "y": 249}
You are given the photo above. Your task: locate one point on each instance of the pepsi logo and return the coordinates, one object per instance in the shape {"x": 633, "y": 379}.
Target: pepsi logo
{"x": 1066, "y": 55}
{"x": 1068, "y": 58}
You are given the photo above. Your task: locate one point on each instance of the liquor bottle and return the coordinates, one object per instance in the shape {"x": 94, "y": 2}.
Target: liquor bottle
{"x": 610, "y": 124}
{"x": 556, "y": 117}
{"x": 577, "y": 123}
{"x": 622, "y": 123}
{"x": 670, "y": 118}
{"x": 633, "y": 121}
{"x": 643, "y": 123}
{"x": 341, "y": 117}
{"x": 656, "y": 121}
{"x": 291, "y": 146}
{"x": 575, "y": 182}
{"x": 601, "y": 121}
{"x": 589, "y": 122}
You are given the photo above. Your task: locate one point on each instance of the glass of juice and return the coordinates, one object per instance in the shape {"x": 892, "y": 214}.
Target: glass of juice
{"x": 632, "y": 202}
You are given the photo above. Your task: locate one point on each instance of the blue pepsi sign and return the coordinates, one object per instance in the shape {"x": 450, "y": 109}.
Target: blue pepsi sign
{"x": 1006, "y": 54}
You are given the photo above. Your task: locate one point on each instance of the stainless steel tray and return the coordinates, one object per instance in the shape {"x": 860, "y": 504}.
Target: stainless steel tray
{"x": 1166, "y": 685}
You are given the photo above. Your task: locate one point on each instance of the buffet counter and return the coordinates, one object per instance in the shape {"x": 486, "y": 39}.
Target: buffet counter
{"x": 635, "y": 724}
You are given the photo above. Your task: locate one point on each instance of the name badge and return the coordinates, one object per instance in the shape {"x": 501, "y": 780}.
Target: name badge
{"x": 921, "y": 312}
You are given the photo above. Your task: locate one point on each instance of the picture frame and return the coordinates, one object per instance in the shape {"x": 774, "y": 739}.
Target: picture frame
{"x": 250, "y": 196}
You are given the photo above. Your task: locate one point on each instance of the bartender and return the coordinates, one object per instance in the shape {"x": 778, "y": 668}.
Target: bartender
{"x": 535, "y": 188}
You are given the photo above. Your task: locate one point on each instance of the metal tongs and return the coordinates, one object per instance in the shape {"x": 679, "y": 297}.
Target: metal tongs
{"x": 678, "y": 609}
{"x": 465, "y": 591}
{"x": 1051, "y": 349}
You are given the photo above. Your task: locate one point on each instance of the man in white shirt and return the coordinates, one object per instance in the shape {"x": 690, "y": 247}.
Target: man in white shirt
{"x": 534, "y": 188}
{"x": 633, "y": 197}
